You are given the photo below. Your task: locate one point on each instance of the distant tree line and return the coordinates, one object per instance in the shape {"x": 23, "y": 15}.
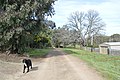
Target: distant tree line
{"x": 68, "y": 38}
{"x": 83, "y": 29}
{"x": 80, "y": 29}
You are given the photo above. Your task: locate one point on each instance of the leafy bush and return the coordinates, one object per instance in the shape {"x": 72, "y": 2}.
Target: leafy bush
{"x": 38, "y": 52}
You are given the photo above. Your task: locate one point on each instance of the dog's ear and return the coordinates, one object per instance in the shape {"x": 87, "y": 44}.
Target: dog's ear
{"x": 23, "y": 61}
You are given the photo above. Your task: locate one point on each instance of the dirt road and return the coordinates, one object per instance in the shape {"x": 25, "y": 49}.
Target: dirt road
{"x": 59, "y": 66}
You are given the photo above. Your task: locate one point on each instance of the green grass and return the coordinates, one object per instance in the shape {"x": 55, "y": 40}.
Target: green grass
{"x": 72, "y": 47}
{"x": 38, "y": 52}
{"x": 108, "y": 66}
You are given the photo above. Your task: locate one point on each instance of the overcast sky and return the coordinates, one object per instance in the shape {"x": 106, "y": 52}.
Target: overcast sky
{"x": 109, "y": 11}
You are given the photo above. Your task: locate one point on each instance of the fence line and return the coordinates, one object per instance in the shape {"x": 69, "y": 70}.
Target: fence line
{"x": 97, "y": 50}
{"x": 94, "y": 49}
{"x": 114, "y": 52}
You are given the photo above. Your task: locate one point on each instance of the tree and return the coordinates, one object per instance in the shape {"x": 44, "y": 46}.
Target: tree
{"x": 115, "y": 38}
{"x": 56, "y": 37}
{"x": 21, "y": 20}
{"x": 41, "y": 40}
{"x": 94, "y": 24}
{"x": 76, "y": 22}
{"x": 99, "y": 39}
{"x": 85, "y": 26}
{"x": 61, "y": 36}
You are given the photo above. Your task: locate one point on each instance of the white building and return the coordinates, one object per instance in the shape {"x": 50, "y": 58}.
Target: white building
{"x": 110, "y": 48}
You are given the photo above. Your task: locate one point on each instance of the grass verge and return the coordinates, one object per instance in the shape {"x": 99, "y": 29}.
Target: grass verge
{"x": 108, "y": 66}
{"x": 38, "y": 52}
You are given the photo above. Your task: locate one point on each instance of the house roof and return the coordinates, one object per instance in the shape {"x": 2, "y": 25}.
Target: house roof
{"x": 110, "y": 44}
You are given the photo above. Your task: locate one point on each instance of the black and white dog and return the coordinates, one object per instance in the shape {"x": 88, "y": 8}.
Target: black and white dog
{"x": 27, "y": 64}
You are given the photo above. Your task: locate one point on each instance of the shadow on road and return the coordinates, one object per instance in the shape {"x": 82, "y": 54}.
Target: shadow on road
{"x": 56, "y": 52}
{"x": 34, "y": 68}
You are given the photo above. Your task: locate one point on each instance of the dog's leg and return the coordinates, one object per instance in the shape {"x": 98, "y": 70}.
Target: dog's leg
{"x": 24, "y": 69}
{"x": 31, "y": 64}
{"x": 28, "y": 69}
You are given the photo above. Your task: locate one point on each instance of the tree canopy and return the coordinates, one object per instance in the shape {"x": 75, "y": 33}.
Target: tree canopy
{"x": 86, "y": 25}
{"x": 80, "y": 29}
{"x": 21, "y": 21}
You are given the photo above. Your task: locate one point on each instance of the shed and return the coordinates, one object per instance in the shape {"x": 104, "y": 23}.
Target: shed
{"x": 109, "y": 48}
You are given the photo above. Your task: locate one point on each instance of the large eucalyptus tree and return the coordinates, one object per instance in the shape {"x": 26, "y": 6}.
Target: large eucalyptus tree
{"x": 21, "y": 20}
{"x": 94, "y": 24}
{"x": 85, "y": 26}
{"x": 76, "y": 22}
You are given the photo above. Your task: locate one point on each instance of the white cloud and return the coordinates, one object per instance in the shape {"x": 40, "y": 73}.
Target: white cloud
{"x": 109, "y": 11}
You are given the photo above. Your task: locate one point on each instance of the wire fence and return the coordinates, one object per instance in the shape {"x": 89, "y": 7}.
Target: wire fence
{"x": 114, "y": 52}
{"x": 93, "y": 49}
{"x": 97, "y": 50}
